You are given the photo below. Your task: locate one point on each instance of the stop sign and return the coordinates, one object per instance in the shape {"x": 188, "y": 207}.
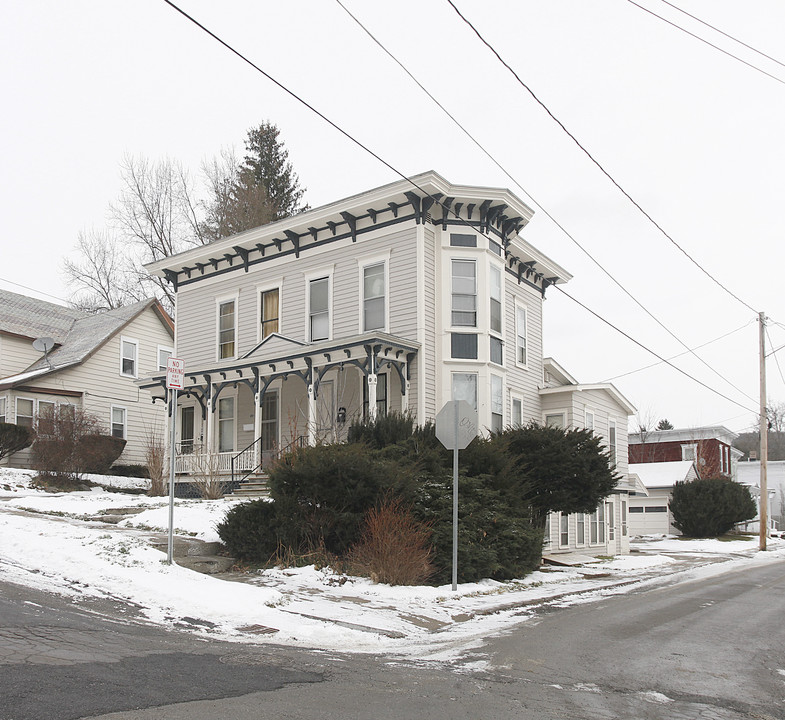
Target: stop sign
{"x": 456, "y": 424}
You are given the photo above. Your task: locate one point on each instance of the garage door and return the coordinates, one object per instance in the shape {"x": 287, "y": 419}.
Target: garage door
{"x": 650, "y": 517}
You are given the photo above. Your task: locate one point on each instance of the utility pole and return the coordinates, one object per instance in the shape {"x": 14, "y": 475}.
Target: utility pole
{"x": 764, "y": 435}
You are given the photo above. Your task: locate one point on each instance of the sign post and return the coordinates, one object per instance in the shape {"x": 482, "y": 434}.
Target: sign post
{"x": 456, "y": 427}
{"x": 175, "y": 374}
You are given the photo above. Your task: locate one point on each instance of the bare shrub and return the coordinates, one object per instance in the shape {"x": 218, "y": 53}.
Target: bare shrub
{"x": 155, "y": 459}
{"x": 394, "y": 547}
{"x": 206, "y": 475}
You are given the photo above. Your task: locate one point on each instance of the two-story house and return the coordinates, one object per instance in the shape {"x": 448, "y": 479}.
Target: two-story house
{"x": 397, "y": 299}
{"x": 86, "y": 361}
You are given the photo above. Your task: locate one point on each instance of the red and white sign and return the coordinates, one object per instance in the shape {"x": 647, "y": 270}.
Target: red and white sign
{"x": 175, "y": 373}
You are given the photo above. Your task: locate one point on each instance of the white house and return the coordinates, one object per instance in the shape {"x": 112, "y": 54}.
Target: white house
{"x": 399, "y": 298}
{"x": 748, "y": 473}
{"x": 93, "y": 364}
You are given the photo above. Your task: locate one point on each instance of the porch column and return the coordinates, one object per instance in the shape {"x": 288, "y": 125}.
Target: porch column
{"x": 371, "y": 379}
{"x": 208, "y": 445}
{"x": 257, "y": 417}
{"x": 405, "y": 389}
{"x": 311, "y": 414}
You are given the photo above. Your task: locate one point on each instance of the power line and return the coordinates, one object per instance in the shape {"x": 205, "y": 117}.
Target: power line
{"x": 40, "y": 292}
{"x": 531, "y": 197}
{"x": 596, "y": 162}
{"x": 722, "y": 32}
{"x": 649, "y": 350}
{"x": 400, "y": 174}
{"x": 706, "y": 42}
{"x": 776, "y": 359}
{"x": 687, "y": 352}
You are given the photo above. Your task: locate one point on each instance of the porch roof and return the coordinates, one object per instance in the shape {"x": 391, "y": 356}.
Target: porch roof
{"x": 310, "y": 361}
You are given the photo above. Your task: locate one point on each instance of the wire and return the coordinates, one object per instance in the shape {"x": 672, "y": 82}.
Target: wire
{"x": 673, "y": 357}
{"x": 721, "y": 32}
{"x": 649, "y": 350}
{"x": 400, "y": 174}
{"x": 777, "y": 360}
{"x": 597, "y": 163}
{"x": 533, "y": 200}
{"x": 40, "y": 292}
{"x": 706, "y": 42}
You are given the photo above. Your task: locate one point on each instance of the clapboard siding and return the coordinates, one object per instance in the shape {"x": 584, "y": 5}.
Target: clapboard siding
{"x": 16, "y": 354}
{"x": 426, "y": 362}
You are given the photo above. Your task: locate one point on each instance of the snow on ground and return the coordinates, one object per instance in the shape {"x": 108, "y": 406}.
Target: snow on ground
{"x": 58, "y": 548}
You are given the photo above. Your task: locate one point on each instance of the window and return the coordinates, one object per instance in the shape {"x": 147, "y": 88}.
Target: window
{"x": 564, "y": 529}
{"x": 128, "y": 354}
{"x": 464, "y": 293}
{"x": 67, "y": 412}
{"x": 163, "y": 355}
{"x": 612, "y": 442}
{"x": 636, "y": 510}
{"x": 555, "y": 420}
{"x": 226, "y": 329}
{"x": 611, "y": 521}
{"x": 689, "y": 452}
{"x": 496, "y": 248}
{"x": 517, "y": 412}
{"x": 580, "y": 529}
{"x": 588, "y": 420}
{"x": 521, "y": 334}
{"x": 119, "y": 416}
{"x": 381, "y": 396}
{"x": 464, "y": 387}
{"x": 319, "y": 308}
{"x": 374, "y": 297}
{"x": 727, "y": 460}
{"x": 623, "y": 517}
{"x": 24, "y": 412}
{"x": 45, "y": 418}
{"x": 597, "y": 525}
{"x": 656, "y": 509}
{"x": 2, "y": 410}
{"x": 463, "y": 346}
{"x": 461, "y": 240}
{"x": 187, "y": 430}
{"x": 497, "y": 351}
{"x": 497, "y": 404}
{"x": 269, "y": 312}
{"x": 226, "y": 424}
{"x": 496, "y": 298}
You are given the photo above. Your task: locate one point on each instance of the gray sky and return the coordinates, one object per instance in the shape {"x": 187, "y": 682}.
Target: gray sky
{"x": 693, "y": 135}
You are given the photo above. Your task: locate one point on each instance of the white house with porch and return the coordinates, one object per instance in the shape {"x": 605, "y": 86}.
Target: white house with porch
{"x": 397, "y": 299}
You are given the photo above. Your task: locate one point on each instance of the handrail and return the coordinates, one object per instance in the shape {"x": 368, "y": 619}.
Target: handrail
{"x": 268, "y": 455}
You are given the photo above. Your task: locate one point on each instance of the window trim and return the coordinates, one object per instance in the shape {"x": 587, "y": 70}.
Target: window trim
{"x": 587, "y": 412}
{"x": 217, "y": 440}
{"x": 476, "y": 293}
{"x": 552, "y": 413}
{"x": 54, "y": 405}
{"x": 327, "y": 273}
{"x": 521, "y": 308}
{"x": 16, "y": 410}
{"x": 613, "y": 446}
{"x": 366, "y": 262}
{"x": 158, "y": 350}
{"x": 513, "y": 398}
{"x": 495, "y": 267}
{"x": 564, "y": 520}
{"x": 131, "y": 341}
{"x": 694, "y": 447}
{"x": 223, "y": 300}
{"x": 496, "y": 378}
{"x": 4, "y": 406}
{"x": 260, "y": 291}
{"x": 580, "y": 520}
{"x": 476, "y": 385}
{"x": 112, "y": 408}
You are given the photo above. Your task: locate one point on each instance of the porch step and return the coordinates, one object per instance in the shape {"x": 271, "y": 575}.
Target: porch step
{"x": 251, "y": 488}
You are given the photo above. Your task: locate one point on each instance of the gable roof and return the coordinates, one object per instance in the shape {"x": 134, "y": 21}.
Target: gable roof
{"x": 78, "y": 334}
{"x": 663, "y": 474}
{"x": 685, "y": 435}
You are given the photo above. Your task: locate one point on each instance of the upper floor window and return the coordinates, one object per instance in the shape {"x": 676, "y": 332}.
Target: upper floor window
{"x": 588, "y": 421}
{"x": 689, "y": 452}
{"x": 269, "y": 311}
{"x": 164, "y": 354}
{"x": 496, "y": 298}
{"x": 612, "y": 442}
{"x": 497, "y": 351}
{"x": 464, "y": 293}
{"x": 374, "y": 292}
{"x": 319, "y": 309}
{"x": 227, "y": 329}
{"x": 521, "y": 336}
{"x": 463, "y": 240}
{"x": 129, "y": 352}
{"x": 24, "y": 412}
{"x": 463, "y": 346}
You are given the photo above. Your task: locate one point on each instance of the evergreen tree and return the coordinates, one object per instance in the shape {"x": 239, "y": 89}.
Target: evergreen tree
{"x": 664, "y": 424}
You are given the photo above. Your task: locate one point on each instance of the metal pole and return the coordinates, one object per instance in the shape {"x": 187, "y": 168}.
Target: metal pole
{"x": 172, "y": 450}
{"x": 764, "y": 436}
{"x": 455, "y": 507}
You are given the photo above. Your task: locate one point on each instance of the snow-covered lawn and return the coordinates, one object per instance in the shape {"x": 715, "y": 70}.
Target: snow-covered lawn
{"x": 59, "y": 549}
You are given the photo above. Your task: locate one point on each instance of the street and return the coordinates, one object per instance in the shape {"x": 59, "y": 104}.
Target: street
{"x": 703, "y": 649}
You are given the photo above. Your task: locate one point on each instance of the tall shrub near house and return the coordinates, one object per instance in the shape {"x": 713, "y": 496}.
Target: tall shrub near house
{"x": 711, "y": 506}
{"x": 14, "y": 438}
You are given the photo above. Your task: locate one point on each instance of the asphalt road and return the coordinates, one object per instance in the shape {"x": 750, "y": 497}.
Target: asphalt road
{"x": 711, "y": 649}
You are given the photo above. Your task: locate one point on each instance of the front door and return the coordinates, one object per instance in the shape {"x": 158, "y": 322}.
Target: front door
{"x": 186, "y": 430}
{"x": 325, "y": 412}
{"x": 269, "y": 427}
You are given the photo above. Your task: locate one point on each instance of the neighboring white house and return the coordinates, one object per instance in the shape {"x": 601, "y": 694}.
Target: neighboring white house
{"x": 94, "y": 364}
{"x": 749, "y": 475}
{"x": 384, "y": 301}
{"x": 650, "y": 512}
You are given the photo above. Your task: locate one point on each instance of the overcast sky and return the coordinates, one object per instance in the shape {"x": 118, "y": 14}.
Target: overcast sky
{"x": 694, "y": 136}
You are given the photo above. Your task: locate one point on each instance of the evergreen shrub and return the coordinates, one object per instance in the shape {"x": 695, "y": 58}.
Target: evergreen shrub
{"x": 14, "y": 438}
{"x": 710, "y": 507}
{"x": 249, "y": 531}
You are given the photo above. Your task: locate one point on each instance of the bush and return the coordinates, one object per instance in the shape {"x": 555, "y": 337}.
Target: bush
{"x": 710, "y": 507}
{"x": 394, "y": 547}
{"x": 389, "y": 429}
{"x": 132, "y": 471}
{"x": 14, "y": 438}
{"x": 249, "y": 531}
{"x": 95, "y": 453}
